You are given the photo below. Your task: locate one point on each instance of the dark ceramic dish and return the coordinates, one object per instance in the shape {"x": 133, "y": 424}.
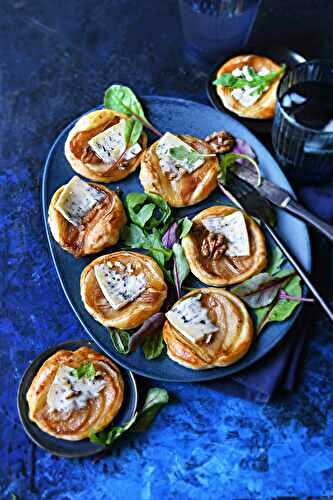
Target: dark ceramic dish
{"x": 185, "y": 117}
{"x": 278, "y": 54}
{"x": 61, "y": 447}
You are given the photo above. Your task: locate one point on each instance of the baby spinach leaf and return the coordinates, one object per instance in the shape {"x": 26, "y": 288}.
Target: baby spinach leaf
{"x": 85, "y": 369}
{"x": 153, "y": 346}
{"x": 261, "y": 289}
{"x": 108, "y": 437}
{"x": 132, "y": 131}
{"x": 147, "y": 210}
{"x": 191, "y": 156}
{"x": 185, "y": 227}
{"x": 228, "y": 160}
{"x": 276, "y": 260}
{"x": 156, "y": 398}
{"x": 120, "y": 340}
{"x": 132, "y": 236}
{"x": 156, "y": 248}
{"x": 122, "y": 99}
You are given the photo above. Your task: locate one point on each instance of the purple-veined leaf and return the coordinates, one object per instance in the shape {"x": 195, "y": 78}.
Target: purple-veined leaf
{"x": 149, "y": 327}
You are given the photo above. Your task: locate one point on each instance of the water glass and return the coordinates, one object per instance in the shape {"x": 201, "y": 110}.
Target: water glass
{"x": 215, "y": 28}
{"x": 305, "y": 153}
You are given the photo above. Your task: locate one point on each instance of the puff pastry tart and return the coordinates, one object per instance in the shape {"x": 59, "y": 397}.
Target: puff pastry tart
{"x": 180, "y": 182}
{"x": 85, "y": 218}
{"x": 208, "y": 327}
{"x": 250, "y": 102}
{"x": 123, "y": 289}
{"x": 95, "y": 146}
{"x": 225, "y": 246}
{"x": 75, "y": 393}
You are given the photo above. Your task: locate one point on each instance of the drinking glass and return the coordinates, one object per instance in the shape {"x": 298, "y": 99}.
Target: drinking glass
{"x": 306, "y": 154}
{"x": 215, "y": 28}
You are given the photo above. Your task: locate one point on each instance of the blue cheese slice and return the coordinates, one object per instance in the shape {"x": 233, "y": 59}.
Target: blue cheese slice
{"x": 68, "y": 393}
{"x": 119, "y": 284}
{"x": 109, "y": 145}
{"x": 191, "y": 319}
{"x": 77, "y": 199}
{"x": 167, "y": 163}
{"x": 233, "y": 228}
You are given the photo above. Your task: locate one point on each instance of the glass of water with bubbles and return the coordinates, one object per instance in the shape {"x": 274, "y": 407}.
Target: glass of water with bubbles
{"x": 302, "y": 132}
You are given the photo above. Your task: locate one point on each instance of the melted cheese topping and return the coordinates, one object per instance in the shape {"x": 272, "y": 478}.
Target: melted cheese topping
{"x": 169, "y": 164}
{"x": 68, "y": 393}
{"x": 191, "y": 319}
{"x": 233, "y": 228}
{"x": 109, "y": 145}
{"x": 119, "y": 284}
{"x": 77, "y": 199}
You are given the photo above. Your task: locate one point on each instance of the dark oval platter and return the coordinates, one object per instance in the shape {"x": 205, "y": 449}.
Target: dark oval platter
{"x": 186, "y": 117}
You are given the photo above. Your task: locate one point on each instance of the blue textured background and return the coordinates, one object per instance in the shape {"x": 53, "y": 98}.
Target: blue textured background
{"x": 57, "y": 57}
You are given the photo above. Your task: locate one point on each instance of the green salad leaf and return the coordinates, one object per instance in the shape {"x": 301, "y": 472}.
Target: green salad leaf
{"x": 185, "y": 227}
{"x": 153, "y": 346}
{"x": 182, "y": 153}
{"x": 183, "y": 268}
{"x": 229, "y": 160}
{"x": 156, "y": 398}
{"x": 85, "y": 369}
{"x": 258, "y": 82}
{"x": 132, "y": 132}
{"x": 120, "y": 340}
{"x": 276, "y": 260}
{"x": 148, "y": 210}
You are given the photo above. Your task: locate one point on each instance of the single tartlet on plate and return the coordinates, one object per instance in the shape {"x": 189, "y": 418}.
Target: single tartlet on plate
{"x": 224, "y": 246}
{"x": 123, "y": 289}
{"x": 181, "y": 168}
{"x": 95, "y": 147}
{"x": 206, "y": 328}
{"x": 75, "y": 393}
{"x": 85, "y": 218}
{"x": 247, "y": 85}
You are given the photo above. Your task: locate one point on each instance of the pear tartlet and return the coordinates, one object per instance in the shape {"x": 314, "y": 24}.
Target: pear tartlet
{"x": 75, "y": 392}
{"x": 85, "y": 218}
{"x": 246, "y": 101}
{"x": 95, "y": 147}
{"x": 123, "y": 289}
{"x": 207, "y": 328}
{"x": 224, "y": 246}
{"x": 180, "y": 182}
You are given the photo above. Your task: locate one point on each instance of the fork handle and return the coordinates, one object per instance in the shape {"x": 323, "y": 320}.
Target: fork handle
{"x": 296, "y": 209}
{"x": 301, "y": 272}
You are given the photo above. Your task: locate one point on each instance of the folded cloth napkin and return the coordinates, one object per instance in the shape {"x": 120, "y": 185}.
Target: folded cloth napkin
{"x": 280, "y": 367}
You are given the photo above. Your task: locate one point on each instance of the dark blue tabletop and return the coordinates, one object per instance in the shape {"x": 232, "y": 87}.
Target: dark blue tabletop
{"x": 56, "y": 60}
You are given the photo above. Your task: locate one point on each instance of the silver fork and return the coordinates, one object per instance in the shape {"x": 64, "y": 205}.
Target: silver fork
{"x": 256, "y": 205}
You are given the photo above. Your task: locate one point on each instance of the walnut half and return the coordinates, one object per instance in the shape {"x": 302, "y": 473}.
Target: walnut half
{"x": 221, "y": 142}
{"x": 213, "y": 246}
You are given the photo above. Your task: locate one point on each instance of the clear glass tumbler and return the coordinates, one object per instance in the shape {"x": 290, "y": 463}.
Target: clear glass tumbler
{"x": 305, "y": 152}
{"x": 215, "y": 28}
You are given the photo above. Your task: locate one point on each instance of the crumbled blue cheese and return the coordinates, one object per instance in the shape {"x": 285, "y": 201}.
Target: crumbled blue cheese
{"x": 110, "y": 144}
{"x": 247, "y": 96}
{"x": 77, "y": 199}
{"x": 119, "y": 284}
{"x": 233, "y": 228}
{"x": 67, "y": 392}
{"x": 191, "y": 319}
{"x": 167, "y": 163}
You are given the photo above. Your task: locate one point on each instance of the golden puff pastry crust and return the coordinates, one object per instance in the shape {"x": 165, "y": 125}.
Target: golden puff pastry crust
{"x": 76, "y": 423}
{"x": 223, "y": 270}
{"x": 100, "y": 229}
{"x": 226, "y": 346}
{"x": 138, "y": 310}
{"x": 189, "y": 188}
{"x": 84, "y": 161}
{"x": 264, "y": 107}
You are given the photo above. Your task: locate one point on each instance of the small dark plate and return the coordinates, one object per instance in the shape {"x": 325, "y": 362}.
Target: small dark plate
{"x": 61, "y": 447}
{"x": 280, "y": 55}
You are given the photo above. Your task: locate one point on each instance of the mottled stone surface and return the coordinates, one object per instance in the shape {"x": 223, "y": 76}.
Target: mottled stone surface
{"x": 57, "y": 57}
